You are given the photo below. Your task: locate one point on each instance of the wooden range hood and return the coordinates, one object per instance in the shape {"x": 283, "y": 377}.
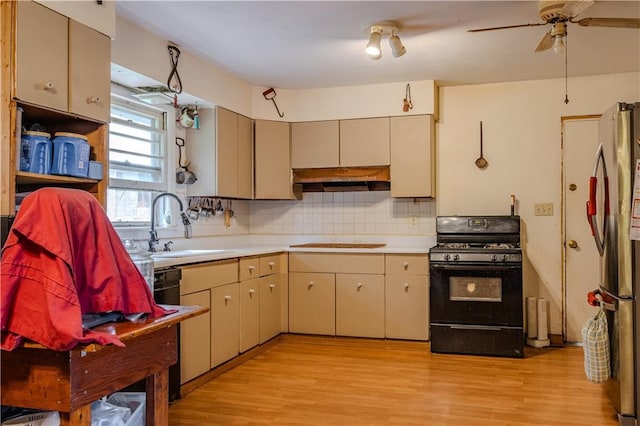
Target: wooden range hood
{"x": 343, "y": 179}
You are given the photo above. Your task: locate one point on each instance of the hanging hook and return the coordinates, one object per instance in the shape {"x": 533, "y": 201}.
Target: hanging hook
{"x": 270, "y": 95}
{"x": 177, "y": 87}
{"x": 406, "y": 102}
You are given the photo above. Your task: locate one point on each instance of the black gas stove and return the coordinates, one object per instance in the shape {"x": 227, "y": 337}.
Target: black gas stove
{"x": 476, "y": 286}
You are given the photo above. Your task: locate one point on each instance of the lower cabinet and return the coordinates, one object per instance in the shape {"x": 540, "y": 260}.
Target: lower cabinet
{"x": 225, "y": 323}
{"x": 195, "y": 338}
{"x": 407, "y": 307}
{"x": 270, "y": 302}
{"x": 360, "y": 305}
{"x": 250, "y": 302}
{"x": 312, "y": 303}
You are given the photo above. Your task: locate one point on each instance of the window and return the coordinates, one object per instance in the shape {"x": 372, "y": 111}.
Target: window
{"x": 137, "y": 161}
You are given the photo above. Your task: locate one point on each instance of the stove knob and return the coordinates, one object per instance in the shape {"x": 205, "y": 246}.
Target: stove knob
{"x": 494, "y": 257}
{"x": 505, "y": 257}
{"x": 447, "y": 256}
{"x": 456, "y": 257}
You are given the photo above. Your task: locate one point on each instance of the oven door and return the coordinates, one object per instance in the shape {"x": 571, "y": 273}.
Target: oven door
{"x": 476, "y": 294}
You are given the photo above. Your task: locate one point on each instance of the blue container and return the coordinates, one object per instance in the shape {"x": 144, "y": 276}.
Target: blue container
{"x": 35, "y": 152}
{"x": 70, "y": 155}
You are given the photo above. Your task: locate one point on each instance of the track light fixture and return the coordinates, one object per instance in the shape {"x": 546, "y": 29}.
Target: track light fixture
{"x": 378, "y": 30}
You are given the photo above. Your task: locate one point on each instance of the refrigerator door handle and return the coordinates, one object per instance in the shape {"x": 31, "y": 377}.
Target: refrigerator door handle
{"x": 592, "y": 208}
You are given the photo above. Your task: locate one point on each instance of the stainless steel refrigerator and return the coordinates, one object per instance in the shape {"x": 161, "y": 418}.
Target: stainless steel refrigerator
{"x": 613, "y": 211}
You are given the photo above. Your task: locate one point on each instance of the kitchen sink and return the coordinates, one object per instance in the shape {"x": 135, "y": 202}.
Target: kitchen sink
{"x": 186, "y": 253}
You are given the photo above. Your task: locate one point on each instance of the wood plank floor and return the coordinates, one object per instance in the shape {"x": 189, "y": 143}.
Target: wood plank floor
{"x": 309, "y": 380}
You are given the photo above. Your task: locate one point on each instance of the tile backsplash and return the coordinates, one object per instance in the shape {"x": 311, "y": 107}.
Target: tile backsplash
{"x": 344, "y": 213}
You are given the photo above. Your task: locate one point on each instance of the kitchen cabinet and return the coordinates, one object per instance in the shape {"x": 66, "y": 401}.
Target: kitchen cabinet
{"x": 412, "y": 144}
{"x": 270, "y": 306}
{"x": 364, "y": 142}
{"x": 225, "y": 323}
{"x": 195, "y": 338}
{"x": 272, "y": 161}
{"x": 250, "y": 293}
{"x": 312, "y": 303}
{"x": 61, "y": 64}
{"x": 360, "y": 305}
{"x": 221, "y": 154}
{"x": 406, "y": 296}
{"x": 315, "y": 144}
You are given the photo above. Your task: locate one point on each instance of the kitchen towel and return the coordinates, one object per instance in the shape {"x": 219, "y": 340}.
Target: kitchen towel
{"x": 595, "y": 344}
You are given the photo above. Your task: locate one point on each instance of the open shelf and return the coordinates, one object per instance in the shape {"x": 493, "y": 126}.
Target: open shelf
{"x": 26, "y": 178}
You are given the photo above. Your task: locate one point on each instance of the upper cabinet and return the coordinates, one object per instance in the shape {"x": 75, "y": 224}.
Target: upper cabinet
{"x": 60, "y": 63}
{"x": 221, "y": 154}
{"x": 272, "y": 160}
{"x": 315, "y": 144}
{"x": 412, "y": 156}
{"x": 364, "y": 142}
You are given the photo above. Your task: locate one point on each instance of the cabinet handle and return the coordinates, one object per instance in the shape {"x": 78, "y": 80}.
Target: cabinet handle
{"x": 271, "y": 265}
{"x": 93, "y": 100}
{"x": 227, "y": 298}
{"x": 405, "y": 286}
{"x": 47, "y": 85}
{"x": 359, "y": 286}
{"x": 405, "y": 265}
{"x": 272, "y": 286}
{"x": 251, "y": 291}
{"x": 251, "y": 268}
{"x": 310, "y": 284}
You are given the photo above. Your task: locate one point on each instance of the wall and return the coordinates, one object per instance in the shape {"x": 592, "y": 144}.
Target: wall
{"x": 522, "y": 143}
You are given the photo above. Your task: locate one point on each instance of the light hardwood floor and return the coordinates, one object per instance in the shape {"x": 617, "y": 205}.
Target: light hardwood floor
{"x": 310, "y": 380}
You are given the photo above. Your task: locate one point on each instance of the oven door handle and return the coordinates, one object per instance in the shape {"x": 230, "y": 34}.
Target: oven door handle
{"x": 483, "y": 267}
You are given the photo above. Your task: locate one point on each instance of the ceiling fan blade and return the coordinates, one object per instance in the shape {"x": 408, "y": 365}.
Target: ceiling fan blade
{"x": 609, "y": 22}
{"x": 545, "y": 43}
{"x": 506, "y": 27}
{"x": 576, "y": 7}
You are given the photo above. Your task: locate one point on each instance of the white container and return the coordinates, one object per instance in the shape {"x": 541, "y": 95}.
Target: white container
{"x": 45, "y": 418}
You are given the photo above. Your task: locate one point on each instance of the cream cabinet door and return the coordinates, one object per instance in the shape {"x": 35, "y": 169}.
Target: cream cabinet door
{"x": 249, "y": 314}
{"x": 312, "y": 303}
{"x": 227, "y": 152}
{"x": 407, "y": 307}
{"x": 245, "y": 157}
{"x": 315, "y": 144}
{"x": 270, "y": 312}
{"x": 89, "y": 72}
{"x": 195, "y": 338}
{"x": 360, "y": 305}
{"x": 225, "y": 323}
{"x": 364, "y": 142}
{"x": 412, "y": 156}
{"x": 42, "y": 56}
{"x": 272, "y": 160}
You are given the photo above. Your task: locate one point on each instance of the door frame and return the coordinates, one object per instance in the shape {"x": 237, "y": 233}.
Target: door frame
{"x": 563, "y": 209}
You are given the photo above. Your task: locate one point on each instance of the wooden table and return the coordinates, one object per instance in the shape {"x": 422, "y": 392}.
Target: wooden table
{"x": 69, "y": 381}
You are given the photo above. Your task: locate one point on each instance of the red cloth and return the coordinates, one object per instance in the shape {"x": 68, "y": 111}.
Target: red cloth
{"x": 63, "y": 258}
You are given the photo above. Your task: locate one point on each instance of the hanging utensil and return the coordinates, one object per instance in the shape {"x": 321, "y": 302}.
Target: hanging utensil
{"x": 481, "y": 162}
{"x": 270, "y": 95}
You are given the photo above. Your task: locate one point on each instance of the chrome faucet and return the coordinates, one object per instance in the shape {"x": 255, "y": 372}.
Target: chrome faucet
{"x": 153, "y": 235}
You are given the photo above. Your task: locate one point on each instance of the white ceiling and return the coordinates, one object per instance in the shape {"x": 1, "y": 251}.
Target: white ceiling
{"x": 313, "y": 44}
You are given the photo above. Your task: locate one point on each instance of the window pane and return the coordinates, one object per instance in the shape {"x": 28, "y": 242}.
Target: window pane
{"x": 125, "y": 205}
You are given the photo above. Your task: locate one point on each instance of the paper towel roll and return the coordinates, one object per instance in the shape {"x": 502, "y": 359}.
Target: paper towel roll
{"x": 532, "y": 323}
{"x": 542, "y": 320}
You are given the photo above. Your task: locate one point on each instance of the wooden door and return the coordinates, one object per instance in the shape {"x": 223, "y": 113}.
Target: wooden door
{"x": 225, "y": 323}
{"x": 227, "y": 152}
{"x": 89, "y": 72}
{"x": 312, "y": 303}
{"x": 364, "y": 142}
{"x": 580, "y": 141}
{"x": 315, "y": 144}
{"x": 407, "y": 307}
{"x": 195, "y": 338}
{"x": 272, "y": 160}
{"x": 245, "y": 157}
{"x": 270, "y": 296}
{"x": 249, "y": 314}
{"x": 360, "y": 305}
{"x": 42, "y": 56}
{"x": 412, "y": 156}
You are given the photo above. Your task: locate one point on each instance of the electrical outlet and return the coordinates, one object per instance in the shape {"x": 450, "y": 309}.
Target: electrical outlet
{"x": 413, "y": 222}
{"x": 543, "y": 209}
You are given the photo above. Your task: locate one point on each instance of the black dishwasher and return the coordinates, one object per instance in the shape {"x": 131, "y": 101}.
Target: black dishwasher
{"x": 166, "y": 291}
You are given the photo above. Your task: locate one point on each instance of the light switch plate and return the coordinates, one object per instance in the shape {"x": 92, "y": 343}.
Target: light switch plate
{"x": 543, "y": 209}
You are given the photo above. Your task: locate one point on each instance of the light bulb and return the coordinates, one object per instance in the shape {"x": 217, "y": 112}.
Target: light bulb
{"x": 373, "y": 47}
{"x": 558, "y": 44}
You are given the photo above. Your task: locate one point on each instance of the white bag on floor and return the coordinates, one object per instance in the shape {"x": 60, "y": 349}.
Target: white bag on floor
{"x": 595, "y": 343}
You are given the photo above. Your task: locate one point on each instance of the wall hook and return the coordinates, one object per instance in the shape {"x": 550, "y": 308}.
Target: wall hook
{"x": 270, "y": 95}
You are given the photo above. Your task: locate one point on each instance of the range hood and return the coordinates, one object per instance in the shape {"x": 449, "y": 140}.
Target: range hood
{"x": 343, "y": 179}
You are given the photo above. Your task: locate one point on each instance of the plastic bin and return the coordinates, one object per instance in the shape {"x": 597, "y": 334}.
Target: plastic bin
{"x": 70, "y": 155}
{"x": 45, "y": 418}
{"x": 35, "y": 152}
{"x": 135, "y": 401}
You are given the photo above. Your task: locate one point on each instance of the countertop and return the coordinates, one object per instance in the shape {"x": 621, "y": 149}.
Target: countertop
{"x": 232, "y": 253}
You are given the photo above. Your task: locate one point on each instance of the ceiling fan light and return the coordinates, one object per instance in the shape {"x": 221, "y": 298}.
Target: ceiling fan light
{"x": 397, "y": 49}
{"x": 558, "y": 44}
{"x": 373, "y": 47}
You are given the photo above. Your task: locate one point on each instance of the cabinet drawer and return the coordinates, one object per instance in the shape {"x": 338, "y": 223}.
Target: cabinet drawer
{"x": 269, "y": 264}
{"x": 350, "y": 263}
{"x": 249, "y": 267}
{"x": 208, "y": 275}
{"x": 407, "y": 264}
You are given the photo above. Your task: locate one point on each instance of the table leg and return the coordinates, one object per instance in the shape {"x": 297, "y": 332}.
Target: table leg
{"x": 157, "y": 388}
{"x": 79, "y": 417}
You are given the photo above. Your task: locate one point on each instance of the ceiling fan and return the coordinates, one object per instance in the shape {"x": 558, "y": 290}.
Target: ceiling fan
{"x": 558, "y": 13}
